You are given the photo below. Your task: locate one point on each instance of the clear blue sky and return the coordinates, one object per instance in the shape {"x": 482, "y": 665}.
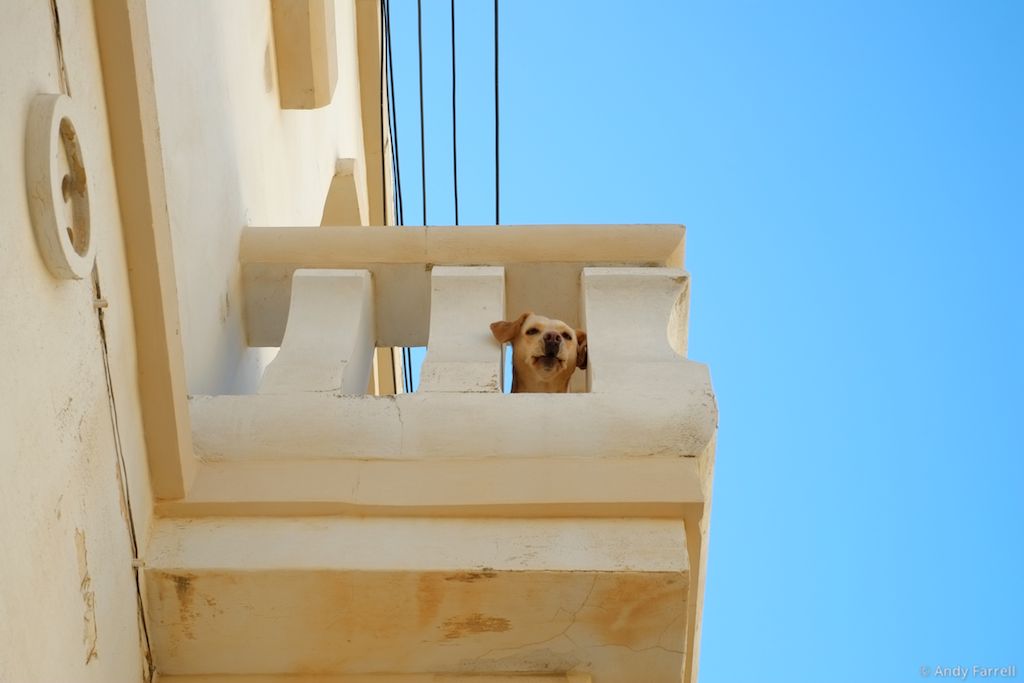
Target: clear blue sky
{"x": 852, "y": 179}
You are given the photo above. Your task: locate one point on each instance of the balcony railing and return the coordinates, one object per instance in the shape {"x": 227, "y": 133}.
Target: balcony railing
{"x": 330, "y": 296}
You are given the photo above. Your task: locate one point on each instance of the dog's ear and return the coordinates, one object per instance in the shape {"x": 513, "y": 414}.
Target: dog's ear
{"x": 506, "y": 330}
{"x": 581, "y": 349}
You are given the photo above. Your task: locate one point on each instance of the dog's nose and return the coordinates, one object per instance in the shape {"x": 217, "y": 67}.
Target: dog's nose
{"x": 552, "y": 342}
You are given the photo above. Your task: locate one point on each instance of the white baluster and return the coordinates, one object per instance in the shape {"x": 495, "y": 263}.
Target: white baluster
{"x": 330, "y": 336}
{"x": 635, "y": 320}
{"x": 462, "y": 354}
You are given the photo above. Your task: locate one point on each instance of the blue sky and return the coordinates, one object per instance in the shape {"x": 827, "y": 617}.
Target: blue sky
{"x": 852, "y": 179}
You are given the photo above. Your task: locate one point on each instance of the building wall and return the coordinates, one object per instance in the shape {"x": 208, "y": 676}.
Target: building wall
{"x": 68, "y": 605}
{"x": 72, "y": 450}
{"x": 233, "y": 158}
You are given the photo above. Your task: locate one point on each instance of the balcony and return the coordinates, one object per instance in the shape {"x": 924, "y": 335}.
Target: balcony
{"x": 456, "y": 530}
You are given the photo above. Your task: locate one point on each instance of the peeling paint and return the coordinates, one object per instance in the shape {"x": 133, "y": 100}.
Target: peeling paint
{"x": 90, "y": 635}
{"x": 538, "y": 661}
{"x": 470, "y": 577}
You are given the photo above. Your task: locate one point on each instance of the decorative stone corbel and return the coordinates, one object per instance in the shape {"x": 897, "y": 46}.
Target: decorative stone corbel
{"x": 342, "y": 205}
{"x": 306, "y": 51}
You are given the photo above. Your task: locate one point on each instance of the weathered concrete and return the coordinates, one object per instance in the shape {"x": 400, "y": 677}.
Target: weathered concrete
{"x": 422, "y": 426}
{"x": 605, "y": 597}
{"x": 68, "y": 604}
{"x": 571, "y": 677}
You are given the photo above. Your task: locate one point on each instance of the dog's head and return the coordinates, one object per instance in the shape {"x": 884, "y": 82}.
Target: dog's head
{"x": 545, "y": 352}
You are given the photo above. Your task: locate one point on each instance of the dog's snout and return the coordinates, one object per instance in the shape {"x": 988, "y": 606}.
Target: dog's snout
{"x": 552, "y": 342}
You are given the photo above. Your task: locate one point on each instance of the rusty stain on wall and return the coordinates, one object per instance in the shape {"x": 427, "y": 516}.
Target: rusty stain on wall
{"x": 185, "y": 591}
{"x": 428, "y": 599}
{"x": 635, "y": 611}
{"x": 88, "y": 597}
{"x": 470, "y": 577}
{"x": 457, "y": 627}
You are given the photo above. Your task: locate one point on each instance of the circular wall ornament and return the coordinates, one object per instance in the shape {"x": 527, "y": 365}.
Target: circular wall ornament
{"x": 58, "y": 188}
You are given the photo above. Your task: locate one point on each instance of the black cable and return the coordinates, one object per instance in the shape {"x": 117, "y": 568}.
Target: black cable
{"x": 383, "y": 92}
{"x": 388, "y": 77}
{"x": 406, "y": 352}
{"x": 423, "y": 141}
{"x": 393, "y": 119}
{"x": 409, "y": 370}
{"x": 455, "y": 138}
{"x": 497, "y": 164}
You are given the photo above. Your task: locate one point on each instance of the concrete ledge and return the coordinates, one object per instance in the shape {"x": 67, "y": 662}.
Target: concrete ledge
{"x": 405, "y": 544}
{"x": 339, "y": 247}
{"x": 451, "y": 425}
{"x": 451, "y": 454}
{"x": 401, "y": 596}
{"x": 493, "y": 487}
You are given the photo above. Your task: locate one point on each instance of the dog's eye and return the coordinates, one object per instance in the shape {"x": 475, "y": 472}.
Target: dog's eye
{"x": 566, "y": 336}
{"x": 532, "y": 330}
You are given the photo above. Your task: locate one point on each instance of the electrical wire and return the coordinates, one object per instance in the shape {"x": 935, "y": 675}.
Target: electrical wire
{"x": 497, "y": 135}
{"x": 393, "y": 119}
{"x": 383, "y": 102}
{"x": 423, "y": 140}
{"x": 388, "y": 84}
{"x": 455, "y": 138}
{"x": 407, "y": 353}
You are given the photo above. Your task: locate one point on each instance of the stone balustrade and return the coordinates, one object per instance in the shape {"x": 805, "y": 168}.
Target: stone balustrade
{"x": 632, "y": 444}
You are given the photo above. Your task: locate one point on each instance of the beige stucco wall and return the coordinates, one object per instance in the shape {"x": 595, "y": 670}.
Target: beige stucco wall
{"x": 67, "y": 591}
{"x": 234, "y": 158}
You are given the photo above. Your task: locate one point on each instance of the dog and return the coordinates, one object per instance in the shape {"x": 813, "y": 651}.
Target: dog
{"x": 545, "y": 352}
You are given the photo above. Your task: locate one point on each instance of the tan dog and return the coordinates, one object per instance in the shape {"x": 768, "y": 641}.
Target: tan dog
{"x": 545, "y": 352}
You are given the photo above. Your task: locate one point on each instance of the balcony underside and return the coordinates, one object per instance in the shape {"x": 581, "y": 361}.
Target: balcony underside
{"x": 606, "y": 598}
{"x": 570, "y": 677}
